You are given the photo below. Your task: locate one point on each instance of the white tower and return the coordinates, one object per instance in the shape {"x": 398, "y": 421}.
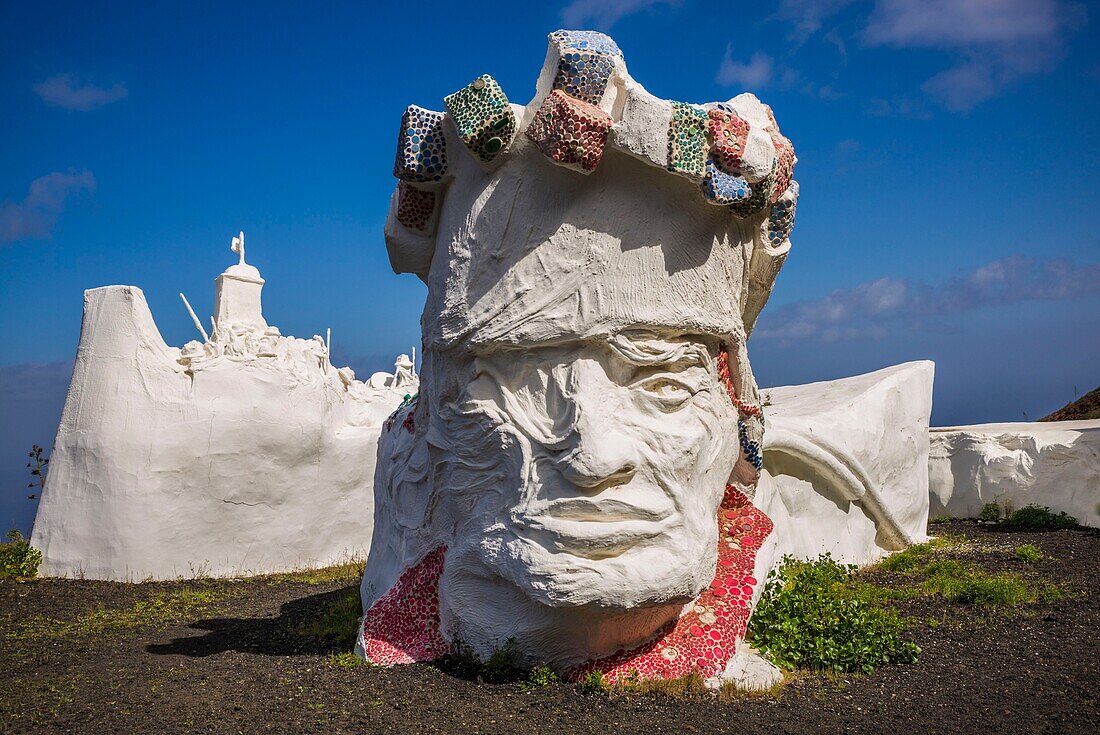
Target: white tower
{"x": 237, "y": 295}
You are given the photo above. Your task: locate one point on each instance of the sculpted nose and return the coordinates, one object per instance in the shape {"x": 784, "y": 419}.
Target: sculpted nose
{"x": 598, "y": 455}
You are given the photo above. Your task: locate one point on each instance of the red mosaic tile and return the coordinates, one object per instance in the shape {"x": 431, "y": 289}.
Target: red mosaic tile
{"x": 402, "y": 627}
{"x": 728, "y": 134}
{"x": 569, "y": 131}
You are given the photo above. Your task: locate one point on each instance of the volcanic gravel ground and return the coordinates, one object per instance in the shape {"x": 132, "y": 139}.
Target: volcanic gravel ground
{"x": 239, "y": 667}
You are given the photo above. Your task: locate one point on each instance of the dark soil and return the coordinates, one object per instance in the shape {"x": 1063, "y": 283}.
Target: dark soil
{"x": 1085, "y": 407}
{"x": 242, "y": 664}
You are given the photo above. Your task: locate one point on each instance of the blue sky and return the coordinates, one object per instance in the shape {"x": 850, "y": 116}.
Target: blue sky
{"x": 948, "y": 164}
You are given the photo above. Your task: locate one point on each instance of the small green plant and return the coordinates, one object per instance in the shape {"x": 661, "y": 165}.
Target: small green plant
{"x": 503, "y": 664}
{"x": 540, "y": 676}
{"x": 810, "y": 617}
{"x": 18, "y": 558}
{"x": 37, "y": 466}
{"x": 1037, "y": 517}
{"x": 940, "y": 519}
{"x": 593, "y": 683}
{"x": 346, "y": 660}
{"x": 990, "y": 513}
{"x": 1028, "y": 553}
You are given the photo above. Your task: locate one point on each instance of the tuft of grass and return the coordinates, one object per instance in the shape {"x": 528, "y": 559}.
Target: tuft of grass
{"x": 1028, "y": 553}
{"x": 18, "y": 559}
{"x": 593, "y": 683}
{"x": 918, "y": 555}
{"x": 940, "y": 519}
{"x": 810, "y": 618}
{"x": 337, "y": 624}
{"x": 159, "y": 609}
{"x": 351, "y": 571}
{"x": 1036, "y": 517}
{"x": 957, "y": 582}
{"x": 347, "y": 660}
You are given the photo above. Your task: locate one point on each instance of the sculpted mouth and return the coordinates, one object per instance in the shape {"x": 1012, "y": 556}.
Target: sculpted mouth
{"x": 595, "y": 528}
{"x": 602, "y": 511}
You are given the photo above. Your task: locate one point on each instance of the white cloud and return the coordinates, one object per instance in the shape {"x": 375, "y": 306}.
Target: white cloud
{"x": 755, "y": 73}
{"x": 36, "y": 215}
{"x": 807, "y": 16}
{"x": 65, "y": 91}
{"x": 874, "y": 309}
{"x": 999, "y": 41}
{"x": 963, "y": 23}
{"x": 603, "y": 14}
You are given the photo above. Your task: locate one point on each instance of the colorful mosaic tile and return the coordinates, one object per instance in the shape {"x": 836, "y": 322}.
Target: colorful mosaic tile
{"x": 402, "y": 627}
{"x": 728, "y": 135}
{"x": 416, "y": 207}
{"x": 421, "y": 146}
{"x": 484, "y": 118}
{"x": 593, "y": 41}
{"x": 761, "y": 196}
{"x": 687, "y": 141}
{"x": 722, "y": 188}
{"x": 723, "y": 367}
{"x": 585, "y": 66}
{"x": 781, "y": 220}
{"x": 569, "y": 131}
{"x": 705, "y": 638}
{"x": 784, "y": 166}
{"x": 750, "y": 448}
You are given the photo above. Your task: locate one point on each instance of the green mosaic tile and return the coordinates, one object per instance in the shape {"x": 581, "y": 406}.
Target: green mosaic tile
{"x": 687, "y": 141}
{"x": 484, "y": 119}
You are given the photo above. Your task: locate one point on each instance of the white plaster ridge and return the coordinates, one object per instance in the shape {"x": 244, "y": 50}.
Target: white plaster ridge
{"x": 1048, "y": 463}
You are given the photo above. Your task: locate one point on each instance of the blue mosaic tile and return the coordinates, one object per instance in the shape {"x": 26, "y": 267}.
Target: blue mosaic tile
{"x": 421, "y": 146}
{"x": 584, "y": 68}
{"x": 593, "y": 41}
{"x": 781, "y": 221}
{"x": 722, "y": 188}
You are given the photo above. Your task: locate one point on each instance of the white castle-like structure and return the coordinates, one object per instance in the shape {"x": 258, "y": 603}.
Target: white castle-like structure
{"x": 247, "y": 452}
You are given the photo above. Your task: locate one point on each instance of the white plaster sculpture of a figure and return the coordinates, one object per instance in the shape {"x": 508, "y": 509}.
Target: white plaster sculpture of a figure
{"x": 1054, "y": 464}
{"x": 247, "y": 452}
{"x": 578, "y": 470}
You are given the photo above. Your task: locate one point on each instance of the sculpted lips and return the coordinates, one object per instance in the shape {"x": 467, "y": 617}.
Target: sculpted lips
{"x": 597, "y": 528}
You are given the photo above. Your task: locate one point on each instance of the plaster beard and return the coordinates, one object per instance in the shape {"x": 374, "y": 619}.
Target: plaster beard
{"x": 586, "y": 476}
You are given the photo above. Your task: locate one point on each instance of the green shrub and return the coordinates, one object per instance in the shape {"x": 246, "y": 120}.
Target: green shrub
{"x": 940, "y": 519}
{"x": 1035, "y": 517}
{"x": 593, "y": 683}
{"x": 503, "y": 664}
{"x": 539, "y": 677}
{"x": 18, "y": 558}
{"x": 990, "y": 512}
{"x": 1028, "y": 553}
{"x": 808, "y": 617}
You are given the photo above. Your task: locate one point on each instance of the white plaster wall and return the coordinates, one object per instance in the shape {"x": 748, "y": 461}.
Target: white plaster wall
{"x": 1054, "y": 464}
{"x": 846, "y": 463}
{"x": 242, "y": 465}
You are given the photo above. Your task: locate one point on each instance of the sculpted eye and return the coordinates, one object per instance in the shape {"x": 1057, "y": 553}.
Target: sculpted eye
{"x": 670, "y": 392}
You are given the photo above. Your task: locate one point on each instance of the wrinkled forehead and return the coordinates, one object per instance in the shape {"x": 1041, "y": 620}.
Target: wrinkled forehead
{"x": 569, "y": 257}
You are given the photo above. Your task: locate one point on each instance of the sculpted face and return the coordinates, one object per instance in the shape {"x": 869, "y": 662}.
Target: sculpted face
{"x": 592, "y": 277}
{"x": 613, "y": 460}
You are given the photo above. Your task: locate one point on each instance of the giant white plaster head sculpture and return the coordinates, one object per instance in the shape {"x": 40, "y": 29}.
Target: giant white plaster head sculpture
{"x": 577, "y": 472}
